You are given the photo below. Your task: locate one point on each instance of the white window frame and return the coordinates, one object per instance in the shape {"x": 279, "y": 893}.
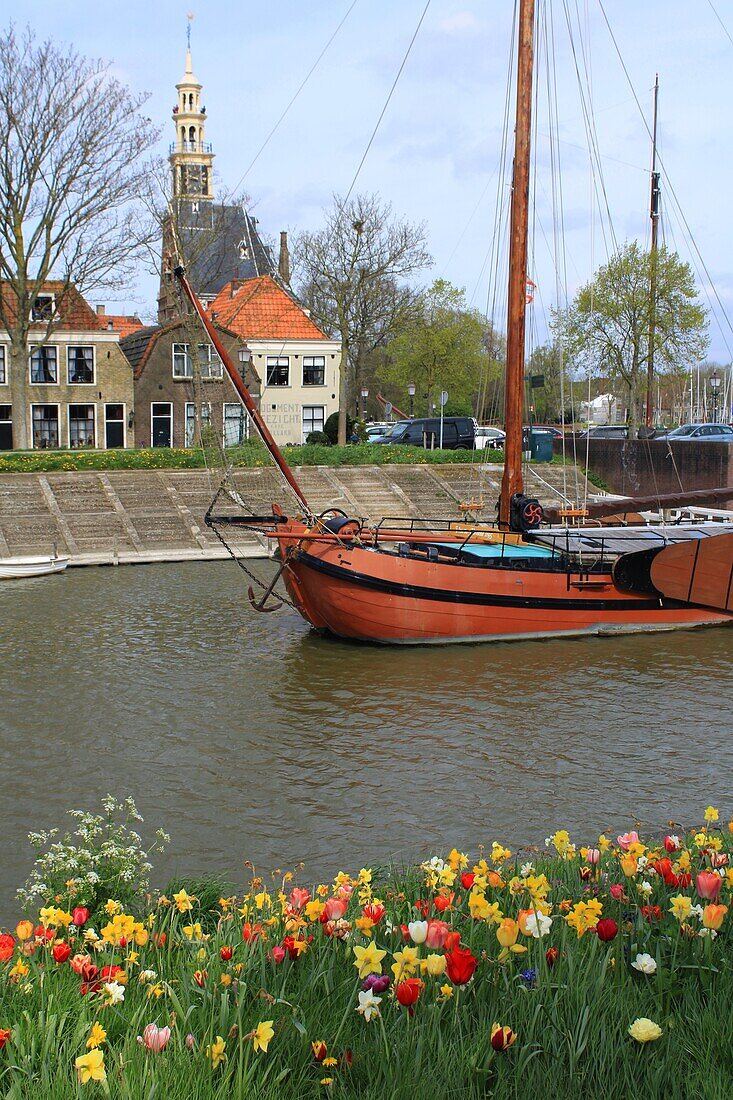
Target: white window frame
{"x": 3, "y": 365}
{"x": 242, "y": 418}
{"x": 311, "y": 360}
{"x": 38, "y": 347}
{"x": 85, "y": 404}
{"x": 307, "y": 431}
{"x": 93, "y": 350}
{"x": 46, "y": 404}
{"x": 43, "y": 298}
{"x": 123, "y": 406}
{"x": 208, "y": 363}
{"x": 277, "y": 361}
{"x": 169, "y": 405}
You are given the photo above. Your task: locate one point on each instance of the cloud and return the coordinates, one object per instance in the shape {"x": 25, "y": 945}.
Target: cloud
{"x": 459, "y": 23}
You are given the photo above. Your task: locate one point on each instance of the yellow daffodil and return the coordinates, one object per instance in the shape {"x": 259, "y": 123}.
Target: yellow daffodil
{"x": 680, "y": 907}
{"x": 365, "y": 926}
{"x": 96, "y": 1036}
{"x": 446, "y": 992}
{"x": 603, "y": 843}
{"x": 19, "y": 970}
{"x": 184, "y": 902}
{"x": 215, "y": 1052}
{"x": 368, "y": 959}
{"x": 364, "y": 877}
{"x": 262, "y": 1035}
{"x": 498, "y": 853}
{"x": 584, "y": 915}
{"x": 457, "y": 860}
{"x": 90, "y": 1067}
{"x": 192, "y": 931}
{"x": 405, "y": 962}
{"x": 313, "y": 909}
{"x": 711, "y": 814}
{"x": 112, "y": 908}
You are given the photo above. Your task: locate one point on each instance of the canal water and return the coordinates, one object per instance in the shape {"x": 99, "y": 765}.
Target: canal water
{"x": 247, "y": 737}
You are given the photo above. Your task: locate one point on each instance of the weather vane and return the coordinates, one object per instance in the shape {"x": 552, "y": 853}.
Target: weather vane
{"x": 189, "y": 17}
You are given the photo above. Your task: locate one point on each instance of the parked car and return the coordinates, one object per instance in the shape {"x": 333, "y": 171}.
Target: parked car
{"x": 606, "y": 431}
{"x": 459, "y": 433}
{"x": 556, "y": 432}
{"x": 713, "y": 433}
{"x": 489, "y": 437}
{"x": 375, "y": 431}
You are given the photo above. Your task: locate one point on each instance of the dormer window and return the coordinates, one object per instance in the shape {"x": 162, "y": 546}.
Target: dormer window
{"x": 43, "y": 308}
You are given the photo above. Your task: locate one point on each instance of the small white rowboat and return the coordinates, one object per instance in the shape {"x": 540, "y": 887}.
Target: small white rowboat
{"x": 31, "y": 566}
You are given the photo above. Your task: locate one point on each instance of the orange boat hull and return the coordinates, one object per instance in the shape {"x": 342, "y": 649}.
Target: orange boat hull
{"x": 364, "y": 593}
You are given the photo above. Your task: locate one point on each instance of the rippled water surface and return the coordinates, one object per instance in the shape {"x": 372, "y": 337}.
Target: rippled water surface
{"x": 247, "y": 737}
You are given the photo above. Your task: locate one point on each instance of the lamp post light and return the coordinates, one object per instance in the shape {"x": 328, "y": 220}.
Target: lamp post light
{"x": 714, "y": 386}
{"x": 364, "y": 395}
{"x": 411, "y": 393}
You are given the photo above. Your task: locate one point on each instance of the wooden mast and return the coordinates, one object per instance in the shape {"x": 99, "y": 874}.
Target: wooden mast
{"x": 514, "y": 384}
{"x": 654, "y": 215}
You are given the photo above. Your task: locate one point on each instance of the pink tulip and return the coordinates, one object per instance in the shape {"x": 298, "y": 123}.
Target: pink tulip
{"x": 154, "y": 1037}
{"x": 708, "y": 885}
{"x": 299, "y": 897}
{"x": 627, "y": 839}
{"x": 593, "y": 855}
{"x": 617, "y": 891}
{"x": 437, "y": 932}
{"x": 278, "y": 954}
{"x": 190, "y": 1041}
{"x": 344, "y": 890}
{"x": 334, "y": 909}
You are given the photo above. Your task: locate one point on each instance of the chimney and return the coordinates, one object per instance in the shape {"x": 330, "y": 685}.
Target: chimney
{"x": 100, "y": 311}
{"x": 283, "y": 263}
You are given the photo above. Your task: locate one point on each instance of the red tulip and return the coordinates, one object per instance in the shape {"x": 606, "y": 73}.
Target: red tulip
{"x": 606, "y": 929}
{"x": 663, "y": 867}
{"x": 109, "y": 973}
{"x": 460, "y": 964}
{"x": 80, "y": 916}
{"x": 200, "y": 976}
{"x": 651, "y": 913}
{"x": 225, "y": 953}
{"x": 277, "y": 954}
{"x": 251, "y": 931}
{"x": 5, "y": 1033}
{"x": 42, "y": 933}
{"x": 423, "y": 907}
{"x": 552, "y": 954}
{"x": 586, "y": 873}
{"x": 160, "y": 939}
{"x": 7, "y": 946}
{"x": 467, "y": 880}
{"x": 408, "y": 991}
{"x": 320, "y": 1050}
{"x": 453, "y": 939}
{"x": 89, "y": 971}
{"x": 374, "y": 913}
{"x": 708, "y": 885}
{"x": 617, "y": 891}
{"x": 501, "y": 1037}
{"x": 61, "y": 952}
{"x": 672, "y": 844}
{"x": 442, "y": 902}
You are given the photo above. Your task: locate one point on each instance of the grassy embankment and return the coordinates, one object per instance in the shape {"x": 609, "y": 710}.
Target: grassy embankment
{"x": 266, "y": 993}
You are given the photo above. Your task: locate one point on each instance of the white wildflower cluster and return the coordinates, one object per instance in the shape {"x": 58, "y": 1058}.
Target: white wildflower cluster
{"x": 103, "y": 858}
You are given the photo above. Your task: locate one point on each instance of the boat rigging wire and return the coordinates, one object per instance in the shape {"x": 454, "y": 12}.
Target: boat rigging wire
{"x": 387, "y": 102}
{"x": 302, "y": 85}
{"x": 726, "y": 32}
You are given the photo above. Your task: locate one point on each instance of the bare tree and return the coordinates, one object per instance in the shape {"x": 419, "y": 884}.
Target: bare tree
{"x": 71, "y": 168}
{"x": 349, "y": 273}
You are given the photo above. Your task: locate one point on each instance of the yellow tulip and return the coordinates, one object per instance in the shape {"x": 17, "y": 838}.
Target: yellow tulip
{"x": 507, "y": 932}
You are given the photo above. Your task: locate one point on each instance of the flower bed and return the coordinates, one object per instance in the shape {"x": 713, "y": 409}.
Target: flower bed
{"x": 594, "y": 972}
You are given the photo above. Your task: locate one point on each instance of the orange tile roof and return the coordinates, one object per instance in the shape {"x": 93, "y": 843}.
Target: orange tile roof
{"x": 259, "y": 309}
{"x": 122, "y": 324}
{"x": 75, "y": 312}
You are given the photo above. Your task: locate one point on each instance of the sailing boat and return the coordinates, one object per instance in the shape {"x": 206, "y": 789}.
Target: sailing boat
{"x": 442, "y": 582}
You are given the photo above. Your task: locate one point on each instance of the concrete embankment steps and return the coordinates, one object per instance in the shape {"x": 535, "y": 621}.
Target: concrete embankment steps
{"x": 122, "y": 516}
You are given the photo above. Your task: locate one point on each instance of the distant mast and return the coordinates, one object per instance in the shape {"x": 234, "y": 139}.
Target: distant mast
{"x": 514, "y": 383}
{"x": 654, "y": 214}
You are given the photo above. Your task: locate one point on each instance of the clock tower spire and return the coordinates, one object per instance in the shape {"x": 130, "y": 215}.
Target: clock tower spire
{"x": 190, "y": 156}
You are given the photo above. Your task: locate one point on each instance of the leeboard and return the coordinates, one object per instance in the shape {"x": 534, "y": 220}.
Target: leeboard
{"x": 699, "y": 572}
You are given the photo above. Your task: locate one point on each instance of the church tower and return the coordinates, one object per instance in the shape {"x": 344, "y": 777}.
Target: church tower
{"x": 190, "y": 156}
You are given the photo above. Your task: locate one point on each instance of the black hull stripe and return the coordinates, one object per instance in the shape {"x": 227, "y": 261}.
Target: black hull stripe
{"x": 444, "y": 595}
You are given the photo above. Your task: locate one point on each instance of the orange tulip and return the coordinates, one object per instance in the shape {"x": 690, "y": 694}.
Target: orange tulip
{"x": 24, "y": 930}
{"x": 713, "y": 916}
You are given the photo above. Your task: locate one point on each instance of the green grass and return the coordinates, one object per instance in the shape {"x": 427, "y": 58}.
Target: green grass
{"x": 571, "y": 1021}
{"x": 250, "y": 454}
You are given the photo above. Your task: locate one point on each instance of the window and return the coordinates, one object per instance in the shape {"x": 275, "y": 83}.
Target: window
{"x": 314, "y": 370}
{"x": 3, "y": 368}
{"x": 42, "y": 308}
{"x": 278, "y": 370}
{"x": 6, "y": 427}
{"x": 114, "y": 426}
{"x": 44, "y": 365}
{"x": 191, "y": 421}
{"x": 236, "y": 425}
{"x": 80, "y": 365}
{"x": 313, "y": 419}
{"x": 209, "y": 362}
{"x": 81, "y": 426}
{"x": 45, "y": 426}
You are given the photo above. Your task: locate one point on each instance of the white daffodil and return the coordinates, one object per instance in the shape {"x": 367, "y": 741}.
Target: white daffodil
{"x": 114, "y": 992}
{"x": 368, "y": 1004}
{"x": 526, "y": 869}
{"x": 538, "y": 924}
{"x": 645, "y": 964}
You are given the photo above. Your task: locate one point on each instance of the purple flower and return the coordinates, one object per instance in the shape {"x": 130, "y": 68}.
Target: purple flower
{"x": 529, "y": 977}
{"x": 378, "y": 983}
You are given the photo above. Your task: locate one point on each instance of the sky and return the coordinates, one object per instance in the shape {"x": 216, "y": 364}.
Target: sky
{"x": 436, "y": 153}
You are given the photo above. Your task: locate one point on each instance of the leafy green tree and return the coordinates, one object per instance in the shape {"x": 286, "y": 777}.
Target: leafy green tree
{"x": 548, "y": 362}
{"x": 606, "y": 330}
{"x": 442, "y": 349}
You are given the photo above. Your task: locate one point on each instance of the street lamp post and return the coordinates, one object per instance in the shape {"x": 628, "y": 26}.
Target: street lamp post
{"x": 411, "y": 394}
{"x": 714, "y": 386}
{"x": 364, "y": 395}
